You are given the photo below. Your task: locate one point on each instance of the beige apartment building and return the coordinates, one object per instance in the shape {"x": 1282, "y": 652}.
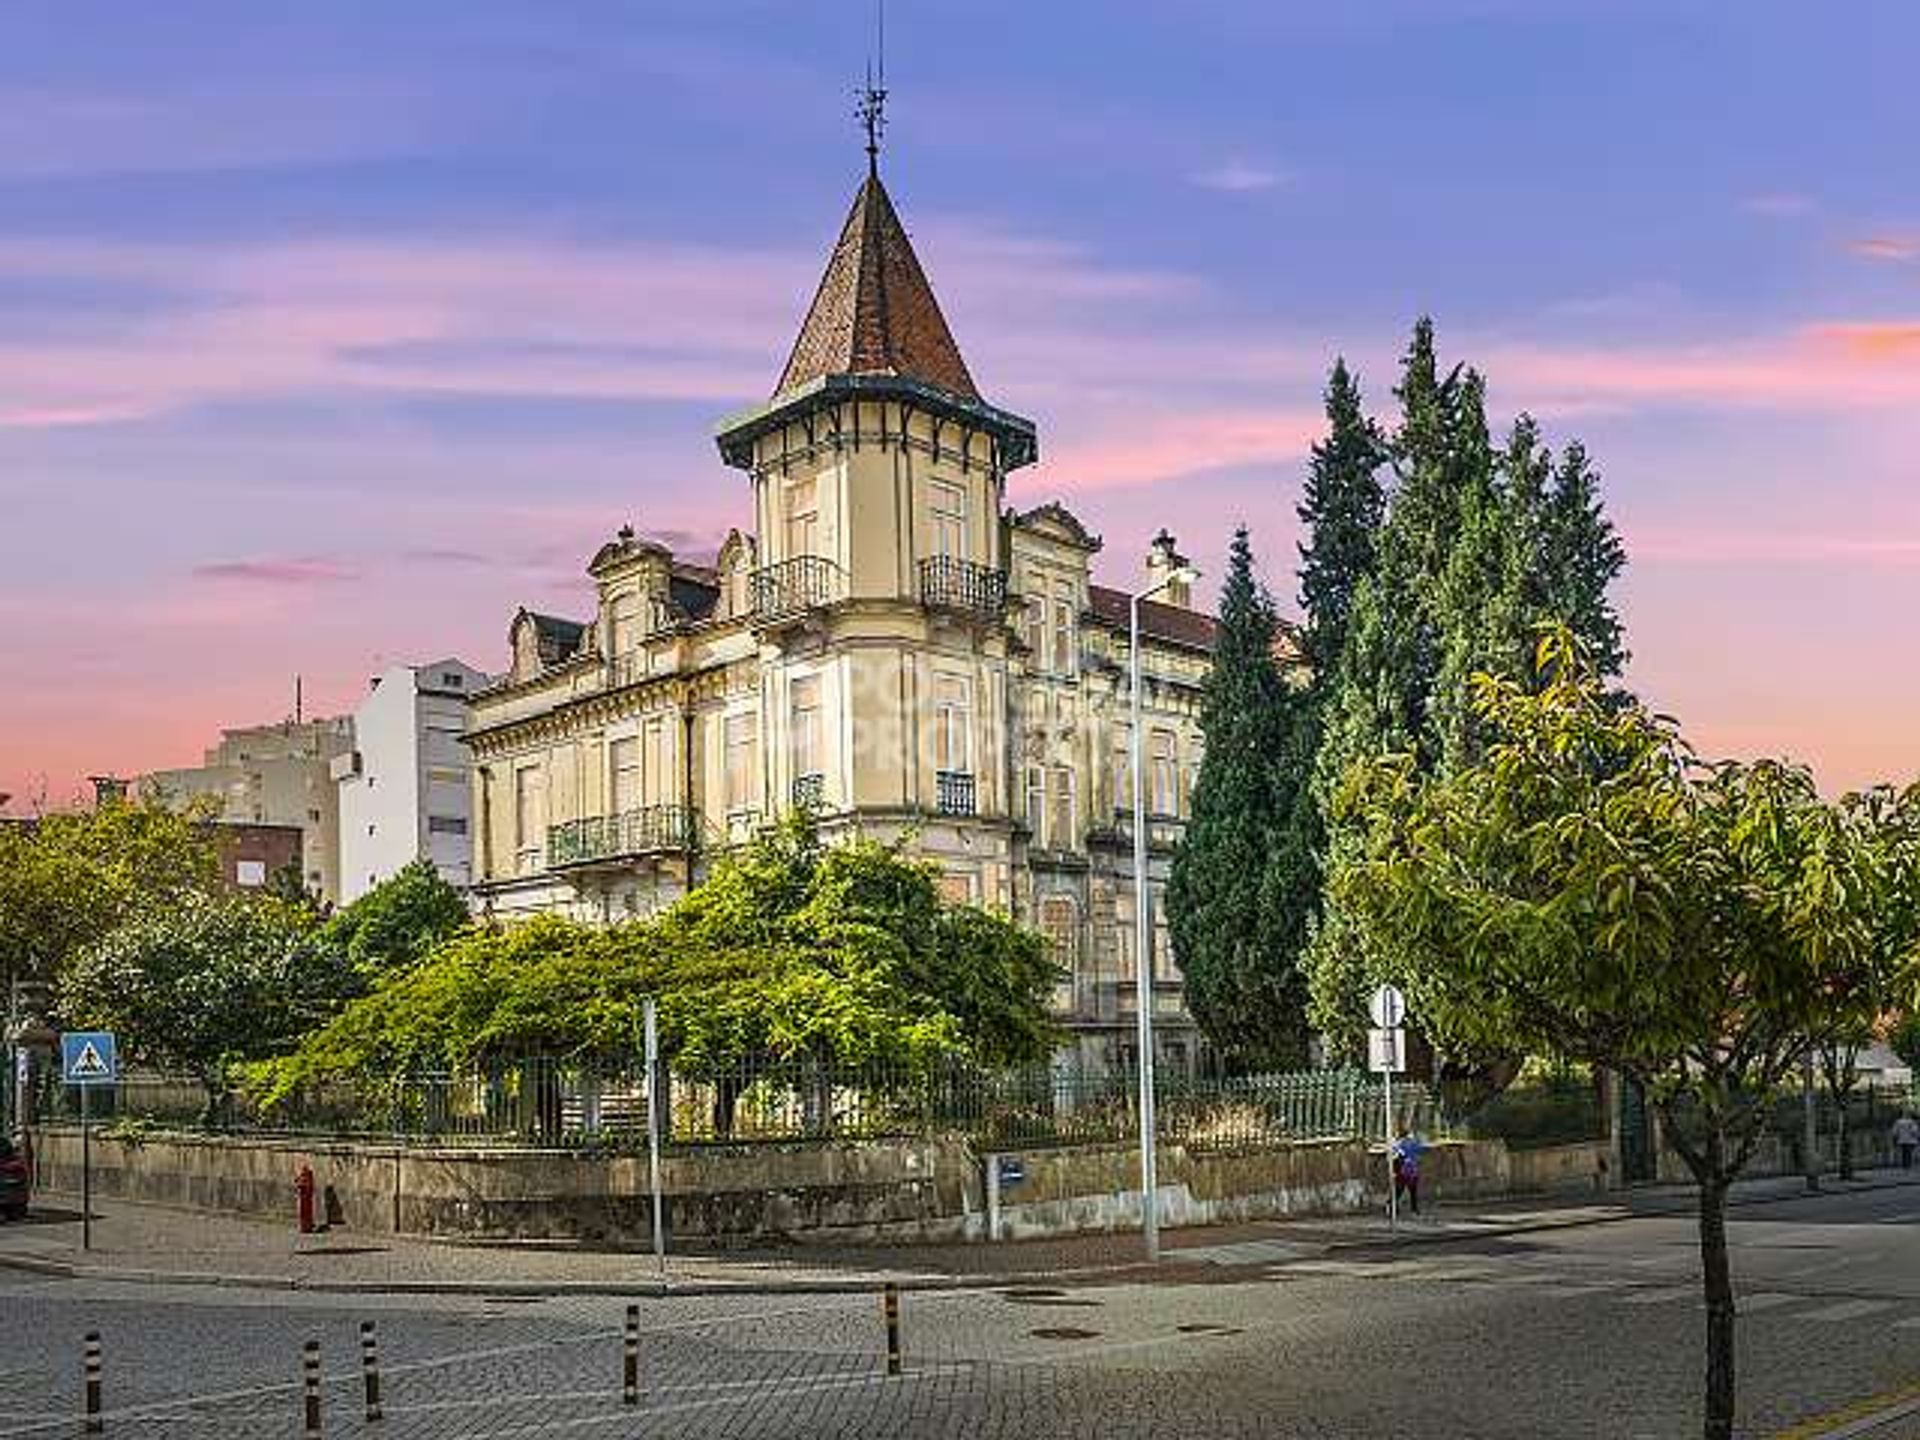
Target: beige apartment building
{"x": 274, "y": 775}
{"x": 889, "y": 645}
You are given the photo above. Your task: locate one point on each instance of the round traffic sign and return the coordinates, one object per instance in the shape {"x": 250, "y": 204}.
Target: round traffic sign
{"x": 1388, "y": 1008}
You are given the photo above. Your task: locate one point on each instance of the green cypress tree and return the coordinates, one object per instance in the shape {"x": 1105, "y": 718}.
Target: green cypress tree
{"x": 1239, "y": 953}
{"x": 1580, "y": 556}
{"x": 1479, "y": 608}
{"x": 1341, "y": 511}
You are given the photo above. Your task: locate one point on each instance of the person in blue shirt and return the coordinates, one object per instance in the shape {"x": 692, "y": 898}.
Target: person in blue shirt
{"x": 1406, "y": 1152}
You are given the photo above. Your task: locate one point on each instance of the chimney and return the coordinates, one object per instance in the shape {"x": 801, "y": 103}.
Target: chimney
{"x": 1163, "y": 560}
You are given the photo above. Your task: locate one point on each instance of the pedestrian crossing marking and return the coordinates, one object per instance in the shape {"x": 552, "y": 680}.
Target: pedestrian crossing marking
{"x": 1665, "y": 1295}
{"x": 1764, "y": 1300}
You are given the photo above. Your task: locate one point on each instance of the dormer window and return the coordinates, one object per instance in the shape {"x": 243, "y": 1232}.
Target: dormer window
{"x": 623, "y": 629}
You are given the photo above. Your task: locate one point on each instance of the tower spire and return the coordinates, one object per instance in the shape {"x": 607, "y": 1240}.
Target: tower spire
{"x": 871, "y": 111}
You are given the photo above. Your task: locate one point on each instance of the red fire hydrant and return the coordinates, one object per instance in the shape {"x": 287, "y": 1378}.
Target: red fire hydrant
{"x": 303, "y": 1189}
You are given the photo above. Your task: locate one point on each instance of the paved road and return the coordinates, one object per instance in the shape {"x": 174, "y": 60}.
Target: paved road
{"x": 1580, "y": 1332}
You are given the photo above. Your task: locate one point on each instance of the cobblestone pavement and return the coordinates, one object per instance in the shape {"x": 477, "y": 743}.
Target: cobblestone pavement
{"x": 1571, "y": 1333}
{"x": 146, "y": 1238}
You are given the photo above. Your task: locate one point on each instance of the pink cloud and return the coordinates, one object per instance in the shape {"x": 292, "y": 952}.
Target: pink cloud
{"x": 1143, "y": 450}
{"x": 1790, "y": 548}
{"x": 306, "y": 570}
{"x": 1835, "y": 366}
{"x": 1895, "y": 248}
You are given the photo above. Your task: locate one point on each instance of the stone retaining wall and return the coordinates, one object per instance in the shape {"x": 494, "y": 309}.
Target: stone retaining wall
{"x": 902, "y": 1191}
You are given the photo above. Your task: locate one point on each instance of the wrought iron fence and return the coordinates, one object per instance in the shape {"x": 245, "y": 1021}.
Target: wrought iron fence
{"x": 953, "y": 792}
{"x": 950, "y": 583}
{"x": 792, "y": 587}
{"x": 543, "y": 1102}
{"x": 650, "y": 829}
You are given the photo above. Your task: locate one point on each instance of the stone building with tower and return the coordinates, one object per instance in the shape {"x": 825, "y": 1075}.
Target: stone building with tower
{"x": 888, "y": 644}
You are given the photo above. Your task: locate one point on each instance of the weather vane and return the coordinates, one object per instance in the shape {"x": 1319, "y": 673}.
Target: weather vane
{"x": 871, "y": 112}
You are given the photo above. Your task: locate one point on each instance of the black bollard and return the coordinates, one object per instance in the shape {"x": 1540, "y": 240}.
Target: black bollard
{"x": 310, "y": 1378}
{"x": 890, "y": 1304}
{"x": 370, "y": 1368}
{"x": 630, "y": 1358}
{"x": 94, "y": 1424}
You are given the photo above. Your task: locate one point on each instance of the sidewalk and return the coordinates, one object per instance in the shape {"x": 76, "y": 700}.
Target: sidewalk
{"x": 135, "y": 1242}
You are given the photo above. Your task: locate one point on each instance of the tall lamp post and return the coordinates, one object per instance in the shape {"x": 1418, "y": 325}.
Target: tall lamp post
{"x": 1142, "y": 930}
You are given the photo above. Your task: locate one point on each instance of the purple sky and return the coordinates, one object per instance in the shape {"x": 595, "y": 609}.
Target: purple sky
{"x": 328, "y": 336}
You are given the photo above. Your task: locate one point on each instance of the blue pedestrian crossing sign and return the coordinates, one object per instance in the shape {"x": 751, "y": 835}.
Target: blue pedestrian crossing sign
{"x": 87, "y": 1057}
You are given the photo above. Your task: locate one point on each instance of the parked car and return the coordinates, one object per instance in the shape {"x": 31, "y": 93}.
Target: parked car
{"x": 14, "y": 1180}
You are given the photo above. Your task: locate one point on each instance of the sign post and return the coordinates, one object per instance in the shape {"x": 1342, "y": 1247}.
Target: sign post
{"x": 1388, "y": 1009}
{"x": 654, "y": 1087}
{"x": 88, "y": 1058}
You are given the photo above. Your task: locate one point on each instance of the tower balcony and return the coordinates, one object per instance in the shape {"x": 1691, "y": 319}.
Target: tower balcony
{"x": 794, "y": 587}
{"x": 978, "y": 591}
{"x": 628, "y": 835}
{"x": 954, "y": 792}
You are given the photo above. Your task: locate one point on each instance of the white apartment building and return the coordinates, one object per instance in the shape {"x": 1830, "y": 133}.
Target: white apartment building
{"x": 405, "y": 789}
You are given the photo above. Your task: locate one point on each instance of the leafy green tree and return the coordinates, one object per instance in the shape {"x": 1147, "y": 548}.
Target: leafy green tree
{"x": 68, "y": 878}
{"x": 791, "y": 953}
{"x": 210, "y": 982}
{"x": 1237, "y": 938}
{"x": 398, "y": 921}
{"x": 1585, "y": 889}
{"x": 1904, "y": 1039}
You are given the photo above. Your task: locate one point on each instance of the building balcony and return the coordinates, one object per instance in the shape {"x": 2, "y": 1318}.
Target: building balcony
{"x": 953, "y": 792}
{"x": 599, "y": 839}
{"x": 794, "y": 587}
{"x": 978, "y": 591}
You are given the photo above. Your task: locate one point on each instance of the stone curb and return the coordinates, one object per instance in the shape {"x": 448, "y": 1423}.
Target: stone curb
{"x": 638, "y": 1289}
{"x": 863, "y": 1284}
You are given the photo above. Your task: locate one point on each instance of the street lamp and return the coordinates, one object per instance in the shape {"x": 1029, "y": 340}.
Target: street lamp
{"x": 1142, "y": 931}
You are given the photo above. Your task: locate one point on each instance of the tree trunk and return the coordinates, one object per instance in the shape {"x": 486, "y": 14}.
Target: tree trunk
{"x": 726, "y": 1095}
{"x": 1843, "y": 1139}
{"x": 1716, "y": 1280}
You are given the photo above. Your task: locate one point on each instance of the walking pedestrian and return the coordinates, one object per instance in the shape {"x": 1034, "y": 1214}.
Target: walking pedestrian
{"x": 1407, "y": 1151}
{"x": 1906, "y": 1138}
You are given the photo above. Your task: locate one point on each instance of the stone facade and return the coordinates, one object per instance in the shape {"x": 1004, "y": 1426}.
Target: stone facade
{"x": 890, "y": 645}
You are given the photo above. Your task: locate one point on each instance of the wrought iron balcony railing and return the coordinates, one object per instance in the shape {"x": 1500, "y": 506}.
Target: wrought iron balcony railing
{"x": 953, "y": 792}
{"x": 796, "y": 586}
{"x": 648, "y": 830}
{"x": 809, "y": 791}
{"x": 950, "y": 584}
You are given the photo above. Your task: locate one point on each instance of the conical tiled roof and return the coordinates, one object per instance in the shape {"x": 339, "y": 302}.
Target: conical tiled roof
{"x": 874, "y": 313}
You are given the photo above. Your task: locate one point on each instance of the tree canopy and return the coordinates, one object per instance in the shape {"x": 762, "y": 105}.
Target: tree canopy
{"x": 396, "y": 923}
{"x": 1585, "y": 888}
{"x": 67, "y": 878}
{"x": 790, "y": 950}
{"x": 213, "y": 980}
{"x": 1478, "y": 547}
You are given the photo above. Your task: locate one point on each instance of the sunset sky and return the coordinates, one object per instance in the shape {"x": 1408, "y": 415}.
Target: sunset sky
{"x": 331, "y": 334}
